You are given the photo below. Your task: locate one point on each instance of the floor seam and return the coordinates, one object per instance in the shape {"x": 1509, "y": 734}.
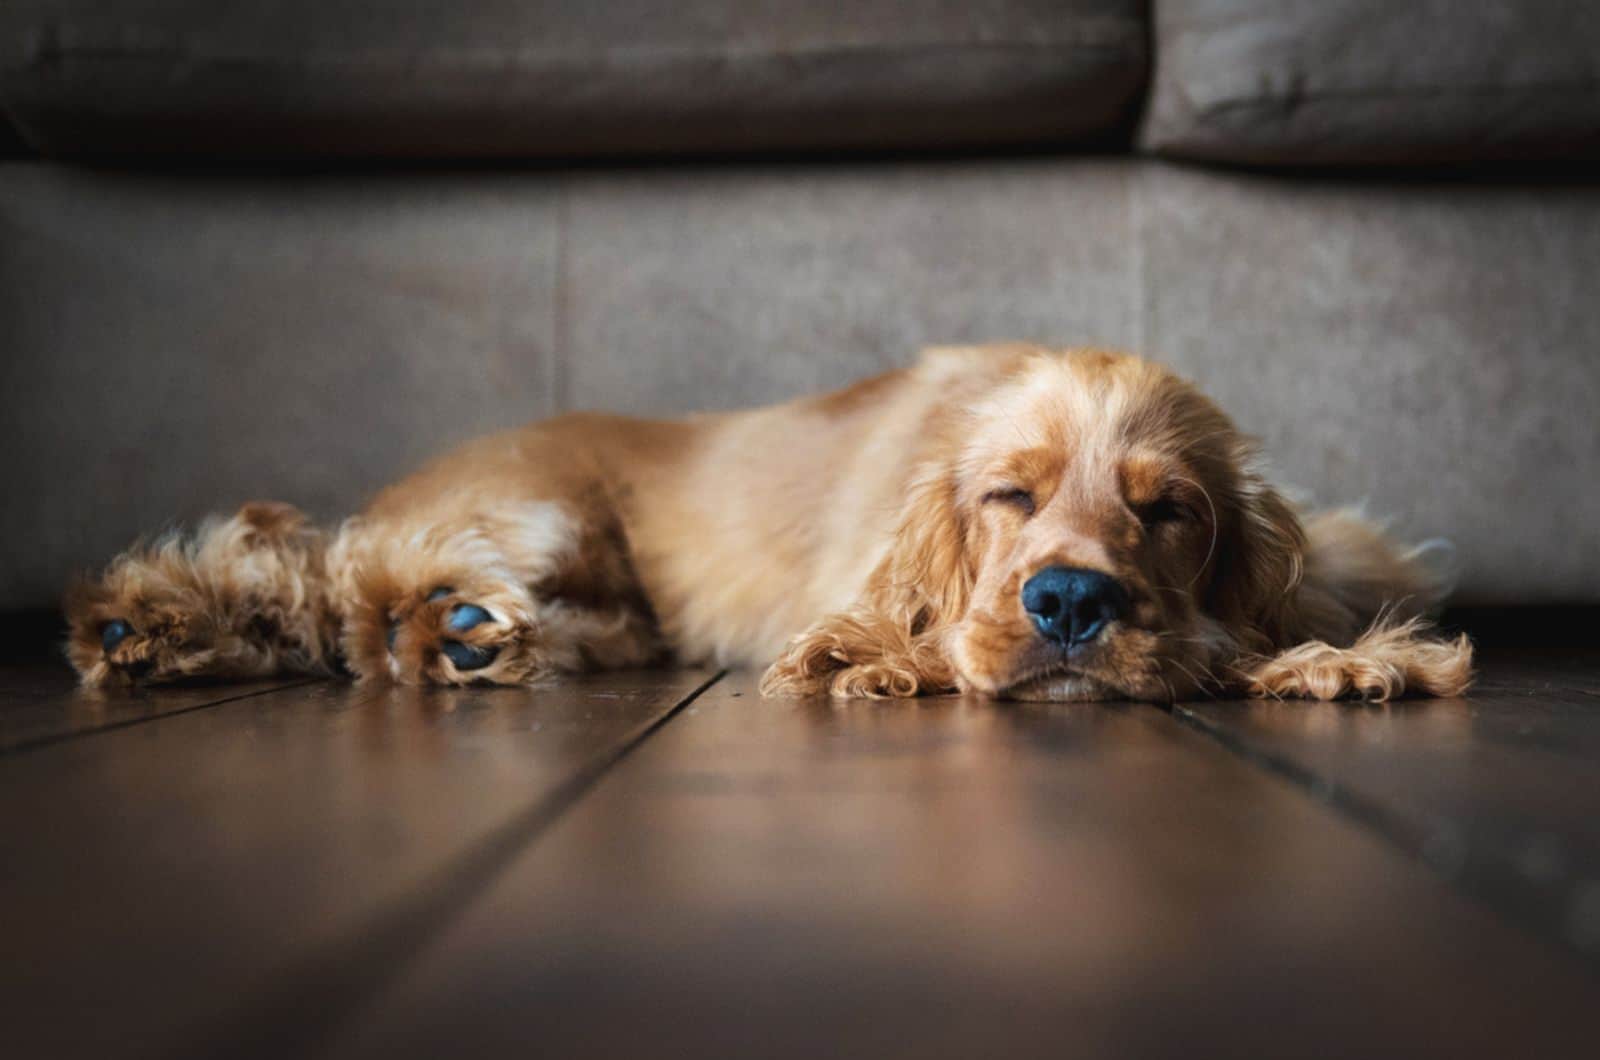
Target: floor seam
{"x": 1415, "y": 842}
{"x": 41, "y": 742}
{"x": 323, "y": 993}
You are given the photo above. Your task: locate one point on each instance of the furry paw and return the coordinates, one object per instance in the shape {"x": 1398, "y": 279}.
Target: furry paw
{"x": 112, "y": 650}
{"x": 848, "y": 658}
{"x": 240, "y": 597}
{"x": 1386, "y": 662}
{"x": 445, "y": 638}
{"x": 461, "y": 618}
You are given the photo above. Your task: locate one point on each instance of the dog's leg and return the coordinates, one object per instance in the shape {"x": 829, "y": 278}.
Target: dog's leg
{"x": 1358, "y": 622}
{"x": 892, "y": 643}
{"x": 501, "y": 595}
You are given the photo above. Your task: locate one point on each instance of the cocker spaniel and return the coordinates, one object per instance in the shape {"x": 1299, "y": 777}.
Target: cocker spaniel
{"x": 1006, "y": 520}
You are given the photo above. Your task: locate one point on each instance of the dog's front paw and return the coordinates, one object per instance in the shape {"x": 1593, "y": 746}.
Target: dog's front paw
{"x": 841, "y": 657}
{"x": 880, "y": 680}
{"x": 784, "y": 678}
{"x": 807, "y": 666}
{"x": 1386, "y": 662}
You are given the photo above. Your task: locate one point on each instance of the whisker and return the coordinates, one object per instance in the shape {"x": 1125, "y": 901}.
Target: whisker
{"x": 1172, "y": 694}
{"x": 1199, "y": 685}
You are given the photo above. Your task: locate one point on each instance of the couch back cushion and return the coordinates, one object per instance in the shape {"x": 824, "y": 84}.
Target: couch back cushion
{"x": 1364, "y": 82}
{"x": 480, "y": 78}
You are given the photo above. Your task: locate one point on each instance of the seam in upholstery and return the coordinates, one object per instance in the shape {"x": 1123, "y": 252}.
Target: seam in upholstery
{"x": 1292, "y": 99}
{"x": 48, "y": 50}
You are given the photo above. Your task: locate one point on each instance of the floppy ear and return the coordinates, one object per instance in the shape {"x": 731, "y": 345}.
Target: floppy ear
{"x": 926, "y": 578}
{"x": 1259, "y": 567}
{"x": 891, "y": 642}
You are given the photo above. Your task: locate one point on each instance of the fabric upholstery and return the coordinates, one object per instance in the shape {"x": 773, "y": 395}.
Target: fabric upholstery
{"x": 1303, "y": 82}
{"x": 181, "y": 344}
{"x": 11, "y": 145}
{"x": 363, "y": 78}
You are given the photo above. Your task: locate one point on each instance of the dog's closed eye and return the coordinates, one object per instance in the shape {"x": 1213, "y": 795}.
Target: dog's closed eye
{"x": 1163, "y": 510}
{"x": 1014, "y": 496}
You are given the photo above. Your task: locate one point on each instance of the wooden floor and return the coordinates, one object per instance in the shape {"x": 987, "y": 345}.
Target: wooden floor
{"x": 666, "y": 864}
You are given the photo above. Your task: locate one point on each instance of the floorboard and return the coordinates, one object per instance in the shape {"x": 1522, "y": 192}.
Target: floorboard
{"x": 1499, "y": 791}
{"x": 958, "y": 878}
{"x": 41, "y": 703}
{"x": 259, "y": 865}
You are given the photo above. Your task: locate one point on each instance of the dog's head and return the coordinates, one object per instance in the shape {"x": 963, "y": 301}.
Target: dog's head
{"x": 231, "y": 600}
{"x": 1094, "y": 529}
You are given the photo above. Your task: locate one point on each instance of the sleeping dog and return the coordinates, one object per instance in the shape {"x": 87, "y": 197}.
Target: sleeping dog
{"x": 1006, "y": 520}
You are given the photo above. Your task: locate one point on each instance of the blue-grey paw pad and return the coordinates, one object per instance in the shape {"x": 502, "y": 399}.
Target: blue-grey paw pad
{"x": 464, "y": 616}
{"x": 113, "y": 633}
{"x": 468, "y": 656}
{"x": 440, "y": 593}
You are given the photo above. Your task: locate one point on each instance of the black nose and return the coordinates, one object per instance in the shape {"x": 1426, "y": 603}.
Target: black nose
{"x": 1070, "y": 605}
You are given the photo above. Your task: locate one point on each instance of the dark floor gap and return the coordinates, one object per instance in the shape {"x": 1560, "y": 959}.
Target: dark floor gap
{"x": 1485, "y": 879}
{"x": 317, "y": 996}
{"x": 128, "y": 723}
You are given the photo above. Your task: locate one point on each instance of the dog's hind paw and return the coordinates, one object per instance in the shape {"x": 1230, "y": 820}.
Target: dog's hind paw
{"x": 461, "y": 618}
{"x": 446, "y": 638}
{"x": 468, "y": 657}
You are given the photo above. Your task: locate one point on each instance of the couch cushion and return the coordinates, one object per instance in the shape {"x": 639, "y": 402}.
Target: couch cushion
{"x": 564, "y": 77}
{"x": 1375, "y": 81}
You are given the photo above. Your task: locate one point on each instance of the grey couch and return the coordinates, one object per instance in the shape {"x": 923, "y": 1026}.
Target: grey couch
{"x": 289, "y": 249}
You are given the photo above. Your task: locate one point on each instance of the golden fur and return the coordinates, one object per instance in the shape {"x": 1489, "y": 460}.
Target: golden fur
{"x": 873, "y": 541}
